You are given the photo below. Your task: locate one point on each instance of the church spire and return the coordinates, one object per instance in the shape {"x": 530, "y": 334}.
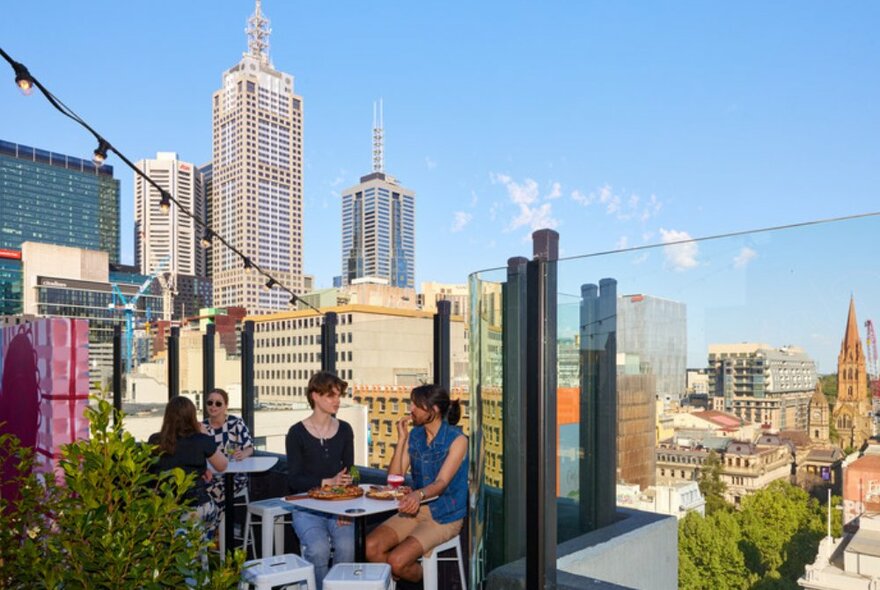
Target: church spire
{"x": 851, "y": 340}
{"x": 258, "y": 32}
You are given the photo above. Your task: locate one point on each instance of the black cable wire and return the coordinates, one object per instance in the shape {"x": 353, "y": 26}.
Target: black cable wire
{"x": 68, "y": 112}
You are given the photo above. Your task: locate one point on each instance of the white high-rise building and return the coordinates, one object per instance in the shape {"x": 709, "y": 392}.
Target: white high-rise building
{"x": 173, "y": 238}
{"x": 257, "y": 179}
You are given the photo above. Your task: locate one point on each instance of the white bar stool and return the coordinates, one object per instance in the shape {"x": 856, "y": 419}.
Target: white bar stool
{"x": 273, "y": 514}
{"x": 279, "y": 570}
{"x": 359, "y": 576}
{"x": 429, "y": 563}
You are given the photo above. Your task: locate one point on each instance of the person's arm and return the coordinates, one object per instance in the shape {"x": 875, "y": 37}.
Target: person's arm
{"x": 214, "y": 454}
{"x": 245, "y": 441}
{"x": 409, "y": 504}
{"x": 400, "y": 460}
{"x": 347, "y": 445}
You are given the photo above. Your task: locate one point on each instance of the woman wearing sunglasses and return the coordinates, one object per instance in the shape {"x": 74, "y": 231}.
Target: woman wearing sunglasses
{"x": 232, "y": 436}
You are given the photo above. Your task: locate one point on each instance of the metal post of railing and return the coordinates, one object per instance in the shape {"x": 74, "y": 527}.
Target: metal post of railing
{"x": 207, "y": 364}
{"x": 441, "y": 344}
{"x": 247, "y": 375}
{"x": 117, "y": 370}
{"x": 540, "y": 448}
{"x": 328, "y": 342}
{"x": 598, "y": 406}
{"x": 513, "y": 410}
{"x": 174, "y": 363}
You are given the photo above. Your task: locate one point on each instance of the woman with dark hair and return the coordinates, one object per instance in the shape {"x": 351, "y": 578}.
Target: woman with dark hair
{"x": 436, "y": 451}
{"x": 182, "y": 444}
{"x": 232, "y": 437}
{"x": 320, "y": 451}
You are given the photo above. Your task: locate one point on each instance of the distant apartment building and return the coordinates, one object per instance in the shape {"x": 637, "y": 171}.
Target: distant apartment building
{"x": 676, "y": 500}
{"x": 207, "y": 171}
{"x": 257, "y": 190}
{"x": 861, "y": 488}
{"x": 375, "y": 346}
{"x": 172, "y": 240}
{"x": 456, "y": 294}
{"x": 55, "y": 199}
{"x": 746, "y": 467}
{"x": 761, "y": 384}
{"x": 636, "y": 432}
{"x": 77, "y": 283}
{"x": 653, "y": 332}
{"x": 172, "y": 236}
{"x": 386, "y": 404}
{"x": 711, "y": 423}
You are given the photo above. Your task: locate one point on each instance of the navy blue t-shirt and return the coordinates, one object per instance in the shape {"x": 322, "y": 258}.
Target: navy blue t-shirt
{"x": 190, "y": 454}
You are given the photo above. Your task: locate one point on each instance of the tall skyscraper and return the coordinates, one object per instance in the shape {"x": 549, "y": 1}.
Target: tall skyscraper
{"x": 257, "y": 178}
{"x": 169, "y": 236}
{"x": 55, "y": 199}
{"x": 207, "y": 171}
{"x": 379, "y": 225}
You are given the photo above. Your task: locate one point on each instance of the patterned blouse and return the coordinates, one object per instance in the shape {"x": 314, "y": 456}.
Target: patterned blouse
{"x": 231, "y": 436}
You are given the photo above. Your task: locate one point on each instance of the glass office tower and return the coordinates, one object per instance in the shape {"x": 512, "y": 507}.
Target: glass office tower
{"x": 55, "y": 199}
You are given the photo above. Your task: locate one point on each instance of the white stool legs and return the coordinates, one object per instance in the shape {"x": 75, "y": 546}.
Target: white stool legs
{"x": 429, "y": 564}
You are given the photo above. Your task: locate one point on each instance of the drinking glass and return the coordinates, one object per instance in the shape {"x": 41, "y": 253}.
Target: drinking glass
{"x": 394, "y": 480}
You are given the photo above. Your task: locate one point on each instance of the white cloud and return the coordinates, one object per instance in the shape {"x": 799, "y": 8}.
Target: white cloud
{"x": 525, "y": 195}
{"x": 579, "y": 197}
{"x": 620, "y": 206}
{"x": 430, "y": 163}
{"x": 680, "y": 256}
{"x": 493, "y": 210}
{"x": 555, "y": 192}
{"x": 474, "y": 199}
{"x": 460, "y": 219}
{"x": 622, "y": 243}
{"x": 745, "y": 256}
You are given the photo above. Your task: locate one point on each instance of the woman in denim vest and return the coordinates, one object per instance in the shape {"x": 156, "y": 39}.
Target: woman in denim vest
{"x": 436, "y": 452}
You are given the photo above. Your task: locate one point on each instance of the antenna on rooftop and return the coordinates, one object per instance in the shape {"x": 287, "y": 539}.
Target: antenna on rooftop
{"x": 258, "y": 32}
{"x": 378, "y": 141}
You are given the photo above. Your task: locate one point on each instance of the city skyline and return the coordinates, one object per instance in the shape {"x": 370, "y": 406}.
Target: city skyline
{"x": 616, "y": 125}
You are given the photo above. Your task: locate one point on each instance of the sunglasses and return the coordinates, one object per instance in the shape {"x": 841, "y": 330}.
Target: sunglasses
{"x": 214, "y": 403}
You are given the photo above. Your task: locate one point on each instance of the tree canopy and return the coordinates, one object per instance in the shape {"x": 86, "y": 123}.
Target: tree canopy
{"x": 764, "y": 545}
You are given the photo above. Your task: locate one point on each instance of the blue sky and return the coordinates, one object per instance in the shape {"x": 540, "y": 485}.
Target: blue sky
{"x": 618, "y": 124}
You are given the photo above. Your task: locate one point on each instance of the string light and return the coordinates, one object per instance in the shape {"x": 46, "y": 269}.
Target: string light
{"x": 100, "y": 155}
{"x": 165, "y": 203}
{"x": 206, "y": 237}
{"x": 23, "y": 79}
{"x": 270, "y": 283}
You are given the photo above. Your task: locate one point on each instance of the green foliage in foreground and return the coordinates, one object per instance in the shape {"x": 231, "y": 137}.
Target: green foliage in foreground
{"x": 763, "y": 546}
{"x": 109, "y": 523}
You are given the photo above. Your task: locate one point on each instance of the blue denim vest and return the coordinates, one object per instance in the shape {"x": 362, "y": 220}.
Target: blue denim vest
{"x": 426, "y": 461}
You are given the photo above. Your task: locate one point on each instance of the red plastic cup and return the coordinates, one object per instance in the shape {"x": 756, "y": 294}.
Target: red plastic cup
{"x": 395, "y": 481}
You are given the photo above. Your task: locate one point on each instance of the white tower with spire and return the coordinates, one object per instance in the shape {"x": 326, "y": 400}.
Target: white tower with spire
{"x": 378, "y": 223}
{"x": 257, "y": 196}
{"x": 258, "y": 32}
{"x": 378, "y": 138}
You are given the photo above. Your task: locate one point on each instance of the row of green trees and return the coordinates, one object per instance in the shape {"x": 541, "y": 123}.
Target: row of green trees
{"x": 762, "y": 545}
{"x": 108, "y": 522}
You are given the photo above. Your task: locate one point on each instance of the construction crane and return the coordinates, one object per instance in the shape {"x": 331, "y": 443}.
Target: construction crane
{"x": 129, "y": 305}
{"x": 871, "y": 366}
